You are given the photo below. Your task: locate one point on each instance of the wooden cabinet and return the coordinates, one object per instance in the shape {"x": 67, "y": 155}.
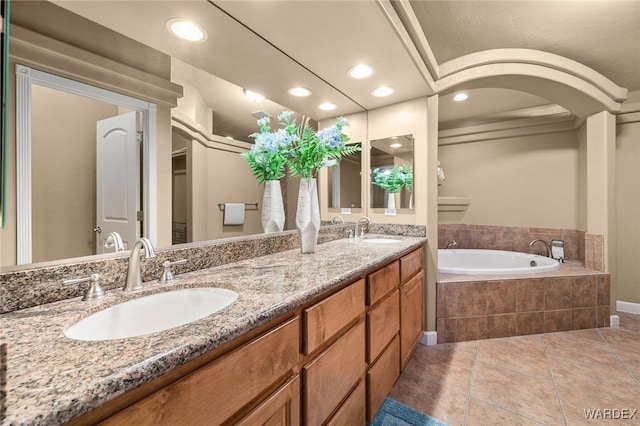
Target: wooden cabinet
{"x": 213, "y": 393}
{"x": 329, "y": 377}
{"x": 382, "y": 376}
{"x": 281, "y": 408}
{"x": 330, "y": 362}
{"x": 411, "y": 316}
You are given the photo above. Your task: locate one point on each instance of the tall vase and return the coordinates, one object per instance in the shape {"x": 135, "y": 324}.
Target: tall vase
{"x": 272, "y": 207}
{"x": 308, "y": 215}
{"x": 391, "y": 201}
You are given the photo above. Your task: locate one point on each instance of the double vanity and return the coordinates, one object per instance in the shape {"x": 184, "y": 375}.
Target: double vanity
{"x": 303, "y": 339}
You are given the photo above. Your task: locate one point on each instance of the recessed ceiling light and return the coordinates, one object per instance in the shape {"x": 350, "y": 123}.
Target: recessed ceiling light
{"x": 327, "y": 106}
{"x": 360, "y": 71}
{"x": 395, "y": 145}
{"x": 253, "y": 96}
{"x": 460, "y": 97}
{"x": 383, "y": 91}
{"x": 186, "y": 30}
{"x": 300, "y": 92}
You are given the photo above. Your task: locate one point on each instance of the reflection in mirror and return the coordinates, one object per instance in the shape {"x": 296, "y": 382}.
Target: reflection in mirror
{"x": 392, "y": 173}
{"x": 345, "y": 189}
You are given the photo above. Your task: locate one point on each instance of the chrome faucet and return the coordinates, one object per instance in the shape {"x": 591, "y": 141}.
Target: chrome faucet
{"x": 134, "y": 278}
{"x": 360, "y": 232}
{"x": 335, "y": 219}
{"x": 451, "y": 244}
{"x": 546, "y": 244}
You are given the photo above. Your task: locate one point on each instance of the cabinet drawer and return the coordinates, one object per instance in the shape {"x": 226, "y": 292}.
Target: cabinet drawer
{"x": 328, "y": 378}
{"x": 382, "y": 282}
{"x": 353, "y": 411}
{"x": 216, "y": 391}
{"x": 411, "y": 315}
{"x": 411, "y": 263}
{"x": 281, "y": 408}
{"x": 325, "y": 319}
{"x": 383, "y": 324}
{"x": 381, "y": 377}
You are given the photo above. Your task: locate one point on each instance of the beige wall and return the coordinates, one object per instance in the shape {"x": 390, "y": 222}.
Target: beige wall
{"x": 63, "y": 172}
{"x": 519, "y": 181}
{"x": 628, "y": 211}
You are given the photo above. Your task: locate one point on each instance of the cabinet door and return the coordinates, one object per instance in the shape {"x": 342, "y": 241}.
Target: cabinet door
{"x": 328, "y": 378}
{"x": 381, "y": 377}
{"x": 328, "y": 317}
{"x": 411, "y": 263}
{"x": 282, "y": 408}
{"x": 353, "y": 411}
{"x": 411, "y": 316}
{"x": 383, "y": 324}
{"x": 382, "y": 282}
{"x": 216, "y": 391}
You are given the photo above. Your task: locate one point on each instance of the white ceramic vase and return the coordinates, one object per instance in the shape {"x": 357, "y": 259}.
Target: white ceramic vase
{"x": 272, "y": 207}
{"x": 391, "y": 201}
{"x": 308, "y": 215}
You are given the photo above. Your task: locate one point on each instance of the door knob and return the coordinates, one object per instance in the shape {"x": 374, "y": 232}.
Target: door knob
{"x": 97, "y": 229}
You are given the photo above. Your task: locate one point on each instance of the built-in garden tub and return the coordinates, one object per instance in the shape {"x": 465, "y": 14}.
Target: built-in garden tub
{"x": 496, "y": 293}
{"x": 494, "y": 262}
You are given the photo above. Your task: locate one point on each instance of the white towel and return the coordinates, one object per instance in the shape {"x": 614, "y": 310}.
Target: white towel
{"x": 233, "y": 214}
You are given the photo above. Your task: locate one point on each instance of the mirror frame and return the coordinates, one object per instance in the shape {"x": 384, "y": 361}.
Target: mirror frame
{"x": 398, "y": 209}
{"x": 25, "y": 77}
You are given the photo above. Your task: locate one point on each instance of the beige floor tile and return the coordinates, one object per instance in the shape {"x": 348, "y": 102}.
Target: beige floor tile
{"x": 445, "y": 368}
{"x": 437, "y": 401}
{"x": 463, "y": 348}
{"x": 582, "y": 371}
{"x": 579, "y": 407}
{"x": 571, "y": 348}
{"x": 522, "y": 354}
{"x": 629, "y": 321}
{"x": 482, "y": 414}
{"x": 519, "y": 393}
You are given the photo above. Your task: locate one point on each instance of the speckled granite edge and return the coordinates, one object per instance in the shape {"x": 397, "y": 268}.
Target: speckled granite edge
{"x": 26, "y": 288}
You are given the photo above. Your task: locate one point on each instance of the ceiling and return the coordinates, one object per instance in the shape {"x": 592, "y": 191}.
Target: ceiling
{"x": 313, "y": 44}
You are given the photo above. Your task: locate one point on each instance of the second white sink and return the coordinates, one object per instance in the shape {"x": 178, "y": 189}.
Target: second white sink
{"x": 150, "y": 314}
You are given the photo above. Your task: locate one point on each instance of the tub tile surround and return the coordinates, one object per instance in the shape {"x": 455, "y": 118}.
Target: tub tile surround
{"x": 472, "y": 307}
{"x": 28, "y": 287}
{"x": 578, "y": 245}
{"x": 52, "y": 379}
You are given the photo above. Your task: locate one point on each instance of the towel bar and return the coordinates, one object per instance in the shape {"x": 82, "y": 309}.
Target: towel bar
{"x": 221, "y": 206}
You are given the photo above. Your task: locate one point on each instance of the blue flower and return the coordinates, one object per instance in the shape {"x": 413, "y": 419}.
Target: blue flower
{"x": 331, "y": 137}
{"x": 285, "y": 116}
{"x": 263, "y": 121}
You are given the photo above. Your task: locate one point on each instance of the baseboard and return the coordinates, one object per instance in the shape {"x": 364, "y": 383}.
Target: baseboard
{"x": 628, "y": 307}
{"x": 614, "y": 321}
{"x": 429, "y": 338}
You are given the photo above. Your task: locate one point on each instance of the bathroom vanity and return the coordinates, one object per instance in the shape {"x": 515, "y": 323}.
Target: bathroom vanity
{"x": 310, "y": 339}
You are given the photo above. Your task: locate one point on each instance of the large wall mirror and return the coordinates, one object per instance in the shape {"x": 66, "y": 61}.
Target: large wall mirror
{"x": 392, "y": 173}
{"x": 345, "y": 183}
{"x": 199, "y": 133}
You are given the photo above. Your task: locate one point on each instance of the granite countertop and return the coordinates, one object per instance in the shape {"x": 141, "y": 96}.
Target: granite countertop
{"x": 52, "y": 379}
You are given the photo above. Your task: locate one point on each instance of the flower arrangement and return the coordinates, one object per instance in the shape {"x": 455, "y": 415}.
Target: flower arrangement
{"x": 268, "y": 155}
{"x": 311, "y": 151}
{"x": 302, "y": 149}
{"x": 393, "y": 179}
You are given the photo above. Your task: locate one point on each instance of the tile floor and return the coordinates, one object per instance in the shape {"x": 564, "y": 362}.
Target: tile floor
{"x": 528, "y": 380}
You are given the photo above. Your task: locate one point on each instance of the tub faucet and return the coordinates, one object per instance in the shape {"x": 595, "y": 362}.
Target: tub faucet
{"x": 359, "y": 231}
{"x": 134, "y": 279}
{"x": 450, "y": 244}
{"x": 546, "y": 244}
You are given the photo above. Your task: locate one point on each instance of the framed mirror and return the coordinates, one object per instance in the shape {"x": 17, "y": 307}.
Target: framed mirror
{"x": 345, "y": 183}
{"x": 392, "y": 173}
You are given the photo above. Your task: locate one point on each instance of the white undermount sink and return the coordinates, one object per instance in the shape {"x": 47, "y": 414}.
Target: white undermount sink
{"x": 381, "y": 240}
{"x": 150, "y": 314}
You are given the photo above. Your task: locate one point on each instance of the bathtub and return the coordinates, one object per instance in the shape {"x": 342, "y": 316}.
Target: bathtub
{"x": 492, "y": 262}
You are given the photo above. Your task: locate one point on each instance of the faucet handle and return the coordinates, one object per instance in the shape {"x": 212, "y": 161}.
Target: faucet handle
{"x": 94, "y": 291}
{"x": 167, "y": 275}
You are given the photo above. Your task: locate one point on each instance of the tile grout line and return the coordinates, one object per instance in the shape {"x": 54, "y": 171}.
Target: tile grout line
{"x": 615, "y": 353}
{"x": 553, "y": 380}
{"x": 471, "y": 377}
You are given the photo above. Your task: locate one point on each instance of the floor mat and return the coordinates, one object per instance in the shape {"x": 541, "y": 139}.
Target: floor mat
{"x": 394, "y": 413}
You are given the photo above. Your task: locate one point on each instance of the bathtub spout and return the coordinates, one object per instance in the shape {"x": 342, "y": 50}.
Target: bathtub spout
{"x": 546, "y": 244}
{"x": 451, "y": 244}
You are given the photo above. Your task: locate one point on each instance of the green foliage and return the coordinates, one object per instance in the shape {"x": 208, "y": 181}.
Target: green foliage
{"x": 393, "y": 179}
